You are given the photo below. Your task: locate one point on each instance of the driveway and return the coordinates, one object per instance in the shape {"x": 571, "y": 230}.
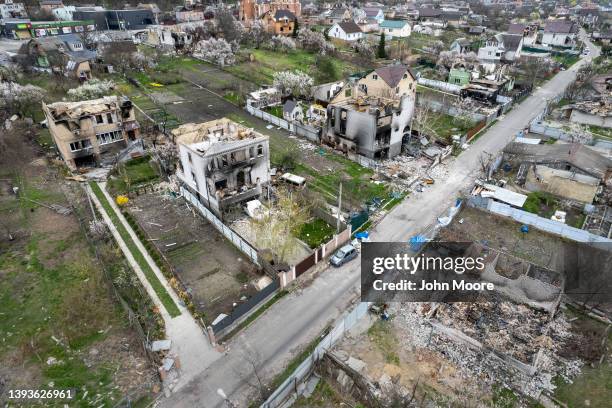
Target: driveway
{"x": 295, "y": 320}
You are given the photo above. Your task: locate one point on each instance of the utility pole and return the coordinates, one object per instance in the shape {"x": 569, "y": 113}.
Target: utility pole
{"x": 339, "y": 209}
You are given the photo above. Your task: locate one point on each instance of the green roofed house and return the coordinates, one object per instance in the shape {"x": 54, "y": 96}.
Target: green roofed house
{"x": 458, "y": 77}
{"x": 395, "y": 28}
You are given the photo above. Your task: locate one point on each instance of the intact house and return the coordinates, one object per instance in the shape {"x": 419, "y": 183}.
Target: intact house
{"x": 395, "y": 28}
{"x": 63, "y": 53}
{"x": 87, "y": 133}
{"x": 391, "y": 82}
{"x": 222, "y": 162}
{"x": 293, "y": 111}
{"x": 347, "y": 31}
{"x": 371, "y": 126}
{"x": 279, "y": 22}
{"x": 560, "y": 33}
{"x": 431, "y": 17}
{"x": 338, "y": 15}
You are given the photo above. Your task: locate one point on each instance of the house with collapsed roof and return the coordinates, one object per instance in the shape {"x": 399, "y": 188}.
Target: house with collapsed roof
{"x": 63, "y": 53}
{"x": 370, "y": 115}
{"x": 528, "y": 31}
{"x": 560, "y": 33}
{"x": 572, "y": 171}
{"x": 590, "y": 113}
{"x": 500, "y": 48}
{"x": 222, "y": 162}
{"x": 369, "y": 126}
{"x": 90, "y": 132}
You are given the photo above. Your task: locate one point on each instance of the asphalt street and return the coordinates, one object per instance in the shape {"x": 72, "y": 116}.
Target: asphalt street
{"x": 266, "y": 346}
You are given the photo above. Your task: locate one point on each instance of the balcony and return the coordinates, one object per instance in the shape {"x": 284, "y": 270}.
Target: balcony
{"x": 234, "y": 197}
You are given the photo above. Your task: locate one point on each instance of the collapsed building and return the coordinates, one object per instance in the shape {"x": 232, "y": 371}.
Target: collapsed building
{"x": 87, "y": 133}
{"x": 572, "y": 171}
{"x": 222, "y": 162}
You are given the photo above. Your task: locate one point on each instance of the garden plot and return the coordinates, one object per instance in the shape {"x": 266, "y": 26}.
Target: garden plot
{"x": 213, "y": 270}
{"x": 165, "y": 98}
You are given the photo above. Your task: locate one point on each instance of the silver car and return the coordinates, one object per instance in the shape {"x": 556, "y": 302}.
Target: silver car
{"x": 343, "y": 255}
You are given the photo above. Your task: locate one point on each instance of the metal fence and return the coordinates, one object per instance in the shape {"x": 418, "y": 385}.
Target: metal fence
{"x": 236, "y": 239}
{"x": 244, "y": 308}
{"x": 303, "y": 371}
{"x": 534, "y": 220}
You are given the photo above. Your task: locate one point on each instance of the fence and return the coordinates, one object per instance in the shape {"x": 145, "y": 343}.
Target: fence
{"x": 236, "y": 239}
{"x": 243, "y": 310}
{"x": 303, "y": 371}
{"x": 440, "y": 85}
{"x": 363, "y": 161}
{"x": 317, "y": 256}
{"x": 544, "y": 224}
{"x": 309, "y": 132}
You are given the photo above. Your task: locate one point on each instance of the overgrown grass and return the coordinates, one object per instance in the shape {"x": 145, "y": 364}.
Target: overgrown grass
{"x": 382, "y": 335}
{"x": 161, "y": 292}
{"x": 541, "y": 203}
{"x": 295, "y": 363}
{"x": 51, "y": 286}
{"x": 315, "y": 232}
{"x": 132, "y": 174}
{"x": 267, "y": 62}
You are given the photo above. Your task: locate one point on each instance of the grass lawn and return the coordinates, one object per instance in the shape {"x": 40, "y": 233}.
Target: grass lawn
{"x": 382, "y": 336}
{"x": 266, "y": 63}
{"x": 132, "y": 174}
{"x": 593, "y": 387}
{"x": 275, "y": 110}
{"x": 357, "y": 186}
{"x": 600, "y": 132}
{"x": 445, "y": 126}
{"x": 541, "y": 203}
{"x": 566, "y": 60}
{"x": 160, "y": 290}
{"x": 315, "y": 232}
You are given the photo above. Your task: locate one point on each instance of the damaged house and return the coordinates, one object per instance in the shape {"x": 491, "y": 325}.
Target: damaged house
{"x": 87, "y": 133}
{"x": 63, "y": 53}
{"x": 571, "y": 171}
{"x": 369, "y": 116}
{"x": 222, "y": 162}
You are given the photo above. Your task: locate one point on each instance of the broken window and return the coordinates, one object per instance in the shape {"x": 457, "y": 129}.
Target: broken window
{"x": 99, "y": 119}
{"x": 220, "y": 184}
{"x": 251, "y": 151}
{"x": 109, "y": 118}
{"x": 260, "y": 150}
{"x": 189, "y": 157}
{"x": 224, "y": 160}
{"x": 348, "y": 92}
{"x": 374, "y": 76}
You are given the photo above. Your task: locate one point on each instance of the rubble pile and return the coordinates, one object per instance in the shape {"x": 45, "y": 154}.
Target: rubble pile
{"x": 482, "y": 366}
{"x": 504, "y": 326}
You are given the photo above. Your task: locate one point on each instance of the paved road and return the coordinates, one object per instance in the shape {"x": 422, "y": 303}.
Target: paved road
{"x": 297, "y": 319}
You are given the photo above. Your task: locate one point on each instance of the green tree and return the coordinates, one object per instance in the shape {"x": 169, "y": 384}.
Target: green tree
{"x": 296, "y": 28}
{"x": 381, "y": 52}
{"x": 326, "y": 34}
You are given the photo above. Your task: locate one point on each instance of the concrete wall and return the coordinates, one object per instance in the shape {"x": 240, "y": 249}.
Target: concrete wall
{"x": 589, "y": 119}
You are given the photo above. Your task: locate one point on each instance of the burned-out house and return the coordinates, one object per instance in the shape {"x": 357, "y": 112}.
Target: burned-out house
{"x": 87, "y": 133}
{"x": 222, "y": 162}
{"x": 369, "y": 126}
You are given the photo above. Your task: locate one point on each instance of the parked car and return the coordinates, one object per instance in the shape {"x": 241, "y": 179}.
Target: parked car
{"x": 343, "y": 255}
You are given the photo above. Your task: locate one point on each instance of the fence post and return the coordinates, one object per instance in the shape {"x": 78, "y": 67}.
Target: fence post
{"x": 211, "y": 336}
